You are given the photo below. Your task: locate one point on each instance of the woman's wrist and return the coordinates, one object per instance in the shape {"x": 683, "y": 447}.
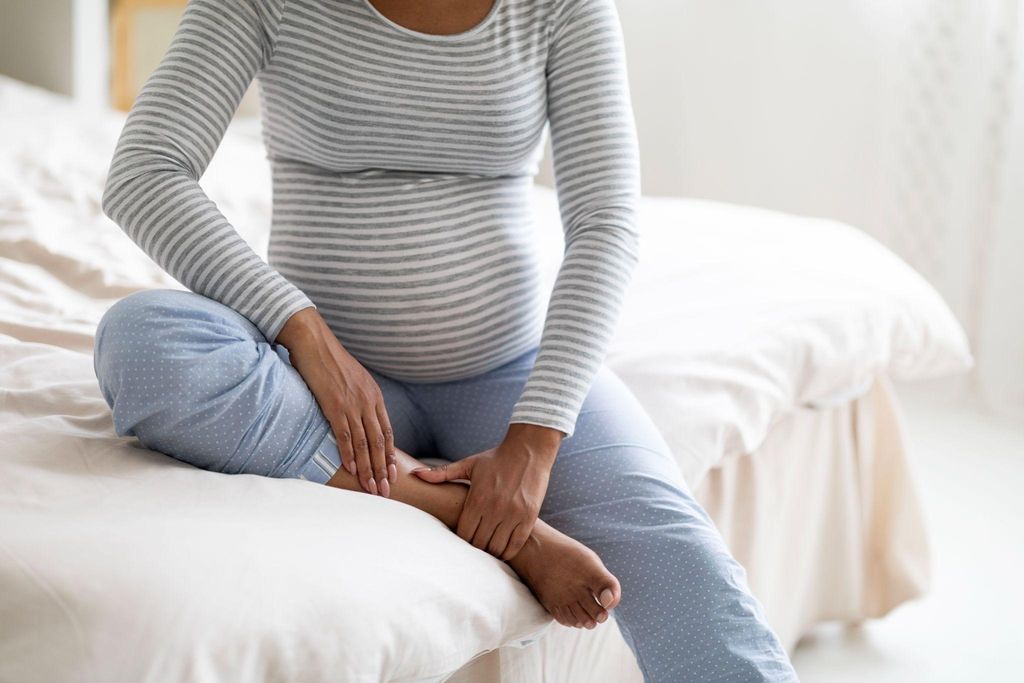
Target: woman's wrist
{"x": 537, "y": 440}
{"x": 300, "y": 326}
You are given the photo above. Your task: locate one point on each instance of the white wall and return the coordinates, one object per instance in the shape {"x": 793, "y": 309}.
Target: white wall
{"x": 60, "y": 45}
{"x": 903, "y": 118}
{"x": 35, "y": 42}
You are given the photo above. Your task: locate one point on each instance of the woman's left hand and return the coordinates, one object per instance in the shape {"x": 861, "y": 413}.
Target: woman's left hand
{"x": 507, "y": 487}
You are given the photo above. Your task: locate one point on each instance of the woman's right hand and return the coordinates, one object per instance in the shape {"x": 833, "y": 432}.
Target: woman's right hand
{"x": 349, "y": 398}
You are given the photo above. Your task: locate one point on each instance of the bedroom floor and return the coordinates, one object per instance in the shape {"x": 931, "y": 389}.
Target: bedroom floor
{"x": 969, "y": 468}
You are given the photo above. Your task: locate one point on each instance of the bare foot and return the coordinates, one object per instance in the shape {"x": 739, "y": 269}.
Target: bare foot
{"x": 567, "y": 577}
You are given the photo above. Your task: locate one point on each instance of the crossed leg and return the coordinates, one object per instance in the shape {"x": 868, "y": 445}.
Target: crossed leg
{"x": 194, "y": 379}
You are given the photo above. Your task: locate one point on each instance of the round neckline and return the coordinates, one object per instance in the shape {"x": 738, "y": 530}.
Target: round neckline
{"x": 473, "y": 30}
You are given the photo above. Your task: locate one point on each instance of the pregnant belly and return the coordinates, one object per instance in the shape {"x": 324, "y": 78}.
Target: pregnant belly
{"x": 433, "y": 281}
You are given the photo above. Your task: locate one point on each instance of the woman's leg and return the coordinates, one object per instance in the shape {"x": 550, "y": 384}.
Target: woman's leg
{"x": 563, "y": 574}
{"x": 685, "y": 609}
{"x": 195, "y": 379}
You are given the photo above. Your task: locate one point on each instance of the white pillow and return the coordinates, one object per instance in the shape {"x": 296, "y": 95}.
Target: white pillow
{"x": 738, "y": 315}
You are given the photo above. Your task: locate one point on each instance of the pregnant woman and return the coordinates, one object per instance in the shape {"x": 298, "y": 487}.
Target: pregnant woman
{"x": 400, "y": 314}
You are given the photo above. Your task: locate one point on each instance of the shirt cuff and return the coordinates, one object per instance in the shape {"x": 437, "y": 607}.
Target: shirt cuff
{"x": 545, "y": 415}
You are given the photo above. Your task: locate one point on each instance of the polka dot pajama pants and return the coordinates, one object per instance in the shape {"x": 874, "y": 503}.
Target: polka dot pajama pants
{"x": 196, "y": 380}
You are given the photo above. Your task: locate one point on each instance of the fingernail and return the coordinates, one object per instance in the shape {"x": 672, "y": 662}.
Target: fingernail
{"x": 393, "y": 473}
{"x": 372, "y": 486}
{"x": 419, "y": 469}
{"x": 385, "y": 488}
{"x": 351, "y": 467}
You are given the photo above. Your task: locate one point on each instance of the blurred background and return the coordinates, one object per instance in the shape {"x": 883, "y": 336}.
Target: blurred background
{"x": 905, "y": 119}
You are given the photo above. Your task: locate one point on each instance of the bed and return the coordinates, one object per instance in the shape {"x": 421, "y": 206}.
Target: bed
{"x": 764, "y": 345}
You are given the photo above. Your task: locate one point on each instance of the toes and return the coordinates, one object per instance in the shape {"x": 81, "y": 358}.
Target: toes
{"x": 559, "y": 615}
{"x": 590, "y": 619}
{"x": 589, "y": 605}
{"x": 580, "y": 616}
{"x": 609, "y": 594}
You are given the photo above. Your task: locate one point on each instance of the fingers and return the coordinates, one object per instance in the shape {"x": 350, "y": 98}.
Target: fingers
{"x": 364, "y": 468}
{"x": 343, "y": 438}
{"x": 516, "y": 541}
{"x": 389, "y": 441}
{"x": 460, "y": 469}
{"x": 499, "y": 540}
{"x": 367, "y": 447}
{"x": 484, "y": 532}
{"x": 375, "y": 446}
{"x": 468, "y": 522}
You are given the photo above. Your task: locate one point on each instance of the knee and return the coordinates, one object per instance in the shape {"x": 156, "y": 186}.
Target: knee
{"x": 129, "y": 323}
{"x": 141, "y": 310}
{"x": 135, "y": 315}
{"x": 160, "y": 343}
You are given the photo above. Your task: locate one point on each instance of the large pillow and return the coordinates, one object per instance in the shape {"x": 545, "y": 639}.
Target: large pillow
{"x": 738, "y": 315}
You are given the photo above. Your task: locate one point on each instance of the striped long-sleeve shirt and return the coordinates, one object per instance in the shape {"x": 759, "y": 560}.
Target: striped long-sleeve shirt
{"x": 402, "y": 165}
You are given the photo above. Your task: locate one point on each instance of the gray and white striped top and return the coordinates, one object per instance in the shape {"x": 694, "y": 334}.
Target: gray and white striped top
{"x": 402, "y": 166}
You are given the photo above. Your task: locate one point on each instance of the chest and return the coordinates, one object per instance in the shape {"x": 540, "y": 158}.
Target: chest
{"x": 348, "y": 89}
{"x": 443, "y": 17}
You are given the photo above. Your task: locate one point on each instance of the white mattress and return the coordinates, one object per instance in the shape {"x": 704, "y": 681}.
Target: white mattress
{"x": 737, "y": 318}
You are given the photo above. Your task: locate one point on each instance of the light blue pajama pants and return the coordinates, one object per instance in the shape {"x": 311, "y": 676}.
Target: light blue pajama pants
{"x": 196, "y": 380}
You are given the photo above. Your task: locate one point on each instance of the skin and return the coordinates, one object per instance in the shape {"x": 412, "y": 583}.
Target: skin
{"x": 498, "y": 511}
{"x": 567, "y": 578}
{"x": 442, "y": 17}
{"x": 507, "y": 483}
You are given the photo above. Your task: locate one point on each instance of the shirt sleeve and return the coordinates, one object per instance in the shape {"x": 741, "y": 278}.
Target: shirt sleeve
{"x": 170, "y": 135}
{"x": 597, "y": 179}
